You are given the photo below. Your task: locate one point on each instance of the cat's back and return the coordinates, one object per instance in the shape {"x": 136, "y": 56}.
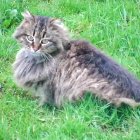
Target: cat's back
{"x": 105, "y": 68}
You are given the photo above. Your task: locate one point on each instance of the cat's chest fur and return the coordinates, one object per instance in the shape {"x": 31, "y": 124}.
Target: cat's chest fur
{"x": 30, "y": 69}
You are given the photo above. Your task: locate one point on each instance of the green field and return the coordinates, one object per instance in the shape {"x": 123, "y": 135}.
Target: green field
{"x": 114, "y": 27}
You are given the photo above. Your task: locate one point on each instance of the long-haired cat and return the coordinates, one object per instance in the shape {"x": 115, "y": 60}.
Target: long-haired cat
{"x": 57, "y": 68}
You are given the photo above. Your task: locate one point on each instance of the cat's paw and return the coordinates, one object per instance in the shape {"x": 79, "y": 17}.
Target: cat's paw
{"x": 42, "y": 102}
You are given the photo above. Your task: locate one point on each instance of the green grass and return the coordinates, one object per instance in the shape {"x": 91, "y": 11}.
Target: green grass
{"x": 114, "y": 27}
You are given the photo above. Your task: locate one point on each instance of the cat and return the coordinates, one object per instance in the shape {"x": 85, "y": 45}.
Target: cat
{"x": 57, "y": 68}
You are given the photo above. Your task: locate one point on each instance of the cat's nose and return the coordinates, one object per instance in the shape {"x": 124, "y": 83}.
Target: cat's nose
{"x": 36, "y": 48}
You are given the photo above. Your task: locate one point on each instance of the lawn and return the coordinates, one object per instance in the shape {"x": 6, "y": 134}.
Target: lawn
{"x": 114, "y": 27}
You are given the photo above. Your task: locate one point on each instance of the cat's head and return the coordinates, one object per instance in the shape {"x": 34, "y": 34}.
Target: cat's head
{"x": 41, "y": 34}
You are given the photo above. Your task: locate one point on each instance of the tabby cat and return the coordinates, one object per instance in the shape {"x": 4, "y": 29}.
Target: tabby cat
{"x": 57, "y": 69}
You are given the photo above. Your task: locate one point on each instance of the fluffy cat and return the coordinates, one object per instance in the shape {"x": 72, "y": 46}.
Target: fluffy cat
{"x": 57, "y": 68}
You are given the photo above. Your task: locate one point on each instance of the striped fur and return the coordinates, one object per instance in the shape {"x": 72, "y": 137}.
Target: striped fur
{"x": 66, "y": 69}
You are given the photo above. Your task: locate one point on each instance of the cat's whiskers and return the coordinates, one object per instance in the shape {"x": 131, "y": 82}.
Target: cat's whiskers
{"x": 50, "y": 56}
{"x": 46, "y": 57}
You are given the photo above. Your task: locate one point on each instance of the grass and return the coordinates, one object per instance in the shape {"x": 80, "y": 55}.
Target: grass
{"x": 114, "y": 27}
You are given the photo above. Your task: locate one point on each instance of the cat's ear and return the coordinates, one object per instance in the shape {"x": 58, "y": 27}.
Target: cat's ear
{"x": 29, "y": 19}
{"x": 28, "y": 16}
{"x": 57, "y": 22}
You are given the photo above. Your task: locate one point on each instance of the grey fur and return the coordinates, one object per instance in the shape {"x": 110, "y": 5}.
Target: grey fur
{"x": 66, "y": 69}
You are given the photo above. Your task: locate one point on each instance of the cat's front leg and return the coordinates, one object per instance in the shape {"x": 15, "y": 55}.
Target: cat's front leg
{"x": 45, "y": 96}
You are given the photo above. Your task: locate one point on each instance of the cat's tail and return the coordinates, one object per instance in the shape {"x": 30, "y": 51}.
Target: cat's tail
{"x": 134, "y": 100}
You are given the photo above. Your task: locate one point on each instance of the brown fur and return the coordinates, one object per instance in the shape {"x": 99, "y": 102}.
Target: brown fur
{"x": 67, "y": 69}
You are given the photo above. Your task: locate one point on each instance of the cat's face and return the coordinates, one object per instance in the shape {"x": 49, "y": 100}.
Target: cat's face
{"x": 41, "y": 34}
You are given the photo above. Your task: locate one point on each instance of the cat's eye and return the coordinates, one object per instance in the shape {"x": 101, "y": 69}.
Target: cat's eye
{"x": 30, "y": 38}
{"x": 44, "y": 41}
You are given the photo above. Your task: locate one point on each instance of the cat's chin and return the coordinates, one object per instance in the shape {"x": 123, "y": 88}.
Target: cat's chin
{"x": 32, "y": 53}
{"x": 38, "y": 53}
